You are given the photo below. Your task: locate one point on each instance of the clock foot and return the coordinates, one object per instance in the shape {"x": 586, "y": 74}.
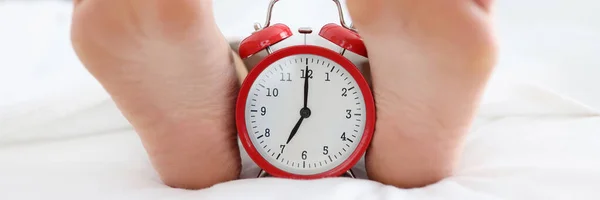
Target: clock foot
{"x": 348, "y": 174}
{"x": 263, "y": 174}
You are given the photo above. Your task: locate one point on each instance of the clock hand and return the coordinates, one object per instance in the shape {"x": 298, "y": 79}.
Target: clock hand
{"x": 295, "y": 130}
{"x": 306, "y": 76}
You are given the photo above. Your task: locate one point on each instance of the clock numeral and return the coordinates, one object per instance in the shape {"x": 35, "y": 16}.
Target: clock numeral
{"x": 263, "y": 111}
{"x": 325, "y": 150}
{"x": 344, "y": 92}
{"x": 304, "y": 155}
{"x": 272, "y": 93}
{"x": 267, "y": 132}
{"x": 282, "y": 147}
{"x": 289, "y": 77}
{"x": 348, "y": 114}
{"x": 327, "y": 74}
{"x": 343, "y": 136}
{"x": 310, "y": 73}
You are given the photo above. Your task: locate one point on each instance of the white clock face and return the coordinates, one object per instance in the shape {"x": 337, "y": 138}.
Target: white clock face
{"x": 311, "y": 139}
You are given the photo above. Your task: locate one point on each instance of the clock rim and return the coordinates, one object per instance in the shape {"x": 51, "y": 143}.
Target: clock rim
{"x": 319, "y": 51}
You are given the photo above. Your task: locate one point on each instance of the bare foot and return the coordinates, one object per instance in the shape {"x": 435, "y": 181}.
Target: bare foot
{"x": 171, "y": 72}
{"x": 430, "y": 61}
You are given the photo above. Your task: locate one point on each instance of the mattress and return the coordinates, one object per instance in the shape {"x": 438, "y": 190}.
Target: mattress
{"x": 61, "y": 137}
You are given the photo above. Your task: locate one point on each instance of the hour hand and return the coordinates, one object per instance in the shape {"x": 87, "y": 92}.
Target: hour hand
{"x": 295, "y": 130}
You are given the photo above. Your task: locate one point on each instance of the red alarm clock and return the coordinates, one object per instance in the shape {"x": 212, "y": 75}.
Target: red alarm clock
{"x": 305, "y": 111}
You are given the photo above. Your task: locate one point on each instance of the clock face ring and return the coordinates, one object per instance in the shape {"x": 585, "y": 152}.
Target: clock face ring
{"x": 305, "y": 112}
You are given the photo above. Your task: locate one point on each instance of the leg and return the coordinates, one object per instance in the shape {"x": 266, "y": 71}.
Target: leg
{"x": 430, "y": 61}
{"x": 172, "y": 74}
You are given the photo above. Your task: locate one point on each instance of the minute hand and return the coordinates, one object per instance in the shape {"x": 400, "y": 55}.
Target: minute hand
{"x": 306, "y": 76}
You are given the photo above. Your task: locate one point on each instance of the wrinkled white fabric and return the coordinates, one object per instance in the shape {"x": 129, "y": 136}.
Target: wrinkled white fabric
{"x": 61, "y": 137}
{"x": 533, "y": 155}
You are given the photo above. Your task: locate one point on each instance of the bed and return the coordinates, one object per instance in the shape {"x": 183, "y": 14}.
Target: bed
{"x": 537, "y": 134}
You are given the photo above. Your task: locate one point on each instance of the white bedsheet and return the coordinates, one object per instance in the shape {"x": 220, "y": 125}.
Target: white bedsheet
{"x": 529, "y": 145}
{"x": 62, "y": 138}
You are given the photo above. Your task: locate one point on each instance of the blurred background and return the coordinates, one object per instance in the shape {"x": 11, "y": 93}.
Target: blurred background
{"x": 555, "y": 43}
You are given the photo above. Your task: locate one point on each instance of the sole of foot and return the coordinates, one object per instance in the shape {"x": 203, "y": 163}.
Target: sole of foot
{"x": 172, "y": 74}
{"x": 430, "y": 61}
